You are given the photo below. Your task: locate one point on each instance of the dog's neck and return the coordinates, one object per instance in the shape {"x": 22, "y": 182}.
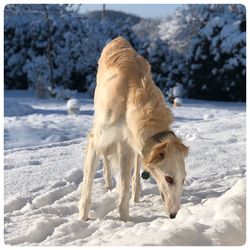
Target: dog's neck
{"x": 153, "y": 140}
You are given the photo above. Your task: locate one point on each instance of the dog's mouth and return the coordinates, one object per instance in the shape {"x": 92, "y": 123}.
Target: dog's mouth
{"x": 171, "y": 215}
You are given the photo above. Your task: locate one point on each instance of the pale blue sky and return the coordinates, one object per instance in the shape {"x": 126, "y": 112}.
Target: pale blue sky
{"x": 143, "y": 10}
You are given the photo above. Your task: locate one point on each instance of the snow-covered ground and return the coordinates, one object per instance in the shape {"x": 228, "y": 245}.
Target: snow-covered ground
{"x": 29, "y": 121}
{"x": 43, "y": 162}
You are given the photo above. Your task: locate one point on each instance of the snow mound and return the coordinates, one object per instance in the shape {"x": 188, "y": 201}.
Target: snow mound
{"x": 55, "y": 139}
{"x": 14, "y": 108}
{"x": 14, "y": 203}
{"x": 74, "y": 175}
{"x": 222, "y": 219}
{"x": 39, "y": 231}
{"x": 51, "y": 196}
{"x": 208, "y": 117}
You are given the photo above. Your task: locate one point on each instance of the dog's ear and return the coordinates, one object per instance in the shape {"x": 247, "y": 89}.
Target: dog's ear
{"x": 182, "y": 148}
{"x": 157, "y": 153}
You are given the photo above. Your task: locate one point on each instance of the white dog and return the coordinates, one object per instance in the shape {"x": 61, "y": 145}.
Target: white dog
{"x": 132, "y": 123}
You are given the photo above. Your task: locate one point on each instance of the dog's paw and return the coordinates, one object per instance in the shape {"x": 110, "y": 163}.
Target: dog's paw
{"x": 84, "y": 213}
{"x": 124, "y": 214}
{"x": 83, "y": 216}
{"x": 136, "y": 198}
{"x": 124, "y": 218}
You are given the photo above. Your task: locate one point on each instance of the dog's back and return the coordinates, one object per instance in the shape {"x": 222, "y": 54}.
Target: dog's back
{"x": 123, "y": 77}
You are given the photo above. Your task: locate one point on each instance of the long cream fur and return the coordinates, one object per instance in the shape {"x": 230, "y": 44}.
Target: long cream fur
{"x": 129, "y": 109}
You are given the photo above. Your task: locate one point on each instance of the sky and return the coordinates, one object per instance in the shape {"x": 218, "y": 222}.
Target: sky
{"x": 142, "y": 10}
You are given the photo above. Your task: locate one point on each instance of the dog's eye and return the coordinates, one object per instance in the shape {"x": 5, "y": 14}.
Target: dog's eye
{"x": 160, "y": 156}
{"x": 169, "y": 180}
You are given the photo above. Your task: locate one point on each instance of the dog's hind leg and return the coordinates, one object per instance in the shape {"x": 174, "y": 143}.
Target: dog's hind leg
{"x": 125, "y": 157}
{"x": 136, "y": 185}
{"x": 107, "y": 171}
{"x": 91, "y": 161}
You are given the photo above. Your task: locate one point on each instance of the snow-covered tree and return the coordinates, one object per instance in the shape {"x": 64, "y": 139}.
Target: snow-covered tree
{"x": 28, "y": 38}
{"x": 179, "y": 28}
{"x": 217, "y": 57}
{"x": 37, "y": 71}
{"x": 71, "y": 43}
{"x": 147, "y": 29}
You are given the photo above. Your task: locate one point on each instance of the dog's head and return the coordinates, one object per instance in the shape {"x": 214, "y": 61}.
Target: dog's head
{"x": 165, "y": 162}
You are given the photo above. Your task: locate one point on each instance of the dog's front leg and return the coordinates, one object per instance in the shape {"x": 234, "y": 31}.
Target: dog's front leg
{"x": 136, "y": 185}
{"x": 91, "y": 161}
{"x": 124, "y": 186}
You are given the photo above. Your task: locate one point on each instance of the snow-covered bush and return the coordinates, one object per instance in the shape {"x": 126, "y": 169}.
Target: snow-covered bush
{"x": 37, "y": 71}
{"x": 60, "y": 93}
{"x": 179, "y": 28}
{"x": 217, "y": 57}
{"x": 167, "y": 66}
{"x": 147, "y": 28}
{"x": 212, "y": 40}
{"x": 67, "y": 41}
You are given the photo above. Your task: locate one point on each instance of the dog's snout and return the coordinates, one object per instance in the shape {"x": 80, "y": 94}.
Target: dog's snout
{"x": 173, "y": 215}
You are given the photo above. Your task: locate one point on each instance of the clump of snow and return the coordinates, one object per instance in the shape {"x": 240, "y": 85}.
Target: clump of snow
{"x": 73, "y": 106}
{"x": 51, "y": 196}
{"x": 177, "y": 102}
{"x": 39, "y": 231}
{"x": 14, "y": 203}
{"x": 208, "y": 117}
{"x": 175, "y": 92}
{"x": 74, "y": 175}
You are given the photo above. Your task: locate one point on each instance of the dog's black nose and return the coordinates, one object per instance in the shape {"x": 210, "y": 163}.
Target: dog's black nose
{"x": 172, "y": 216}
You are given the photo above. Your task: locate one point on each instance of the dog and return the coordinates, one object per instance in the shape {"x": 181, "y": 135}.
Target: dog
{"x": 132, "y": 124}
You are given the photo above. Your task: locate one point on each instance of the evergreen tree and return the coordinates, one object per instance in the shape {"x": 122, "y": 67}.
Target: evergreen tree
{"x": 217, "y": 58}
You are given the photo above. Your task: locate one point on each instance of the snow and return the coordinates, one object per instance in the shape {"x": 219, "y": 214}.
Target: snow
{"x": 42, "y": 122}
{"x": 73, "y": 106}
{"x": 14, "y": 108}
{"x": 208, "y": 116}
{"x": 178, "y": 90}
{"x": 42, "y": 181}
{"x": 177, "y": 102}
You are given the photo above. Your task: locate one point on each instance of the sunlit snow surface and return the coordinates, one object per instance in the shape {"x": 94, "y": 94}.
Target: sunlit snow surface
{"x": 44, "y": 151}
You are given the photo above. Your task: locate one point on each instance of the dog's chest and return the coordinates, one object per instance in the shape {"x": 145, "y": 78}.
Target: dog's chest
{"x": 112, "y": 133}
